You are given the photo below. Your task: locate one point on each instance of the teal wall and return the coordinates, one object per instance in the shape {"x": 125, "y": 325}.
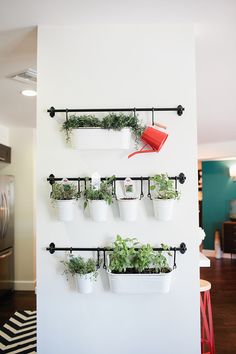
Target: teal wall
{"x": 218, "y": 189}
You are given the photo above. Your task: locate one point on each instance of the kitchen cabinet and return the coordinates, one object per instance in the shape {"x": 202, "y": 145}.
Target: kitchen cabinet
{"x": 229, "y": 236}
{"x": 5, "y": 153}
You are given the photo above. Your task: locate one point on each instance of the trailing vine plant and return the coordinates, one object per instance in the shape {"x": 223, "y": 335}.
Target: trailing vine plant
{"x": 111, "y": 121}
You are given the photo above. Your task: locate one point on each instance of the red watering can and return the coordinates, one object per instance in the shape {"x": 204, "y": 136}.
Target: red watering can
{"x": 153, "y": 137}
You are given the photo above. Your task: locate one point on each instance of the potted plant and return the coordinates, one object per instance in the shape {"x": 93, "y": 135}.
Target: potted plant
{"x": 166, "y": 194}
{"x": 64, "y": 195}
{"x": 98, "y": 200}
{"x": 111, "y": 132}
{"x": 128, "y": 205}
{"x": 84, "y": 271}
{"x": 142, "y": 270}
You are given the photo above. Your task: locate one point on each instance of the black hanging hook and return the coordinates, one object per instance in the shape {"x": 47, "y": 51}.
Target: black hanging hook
{"x": 79, "y": 186}
{"x": 141, "y": 185}
{"x": 149, "y": 189}
{"x": 67, "y": 114}
{"x": 98, "y": 258}
{"x": 114, "y": 188}
{"x": 104, "y": 259}
{"x": 153, "y": 118}
{"x": 174, "y": 266}
{"x": 176, "y": 183}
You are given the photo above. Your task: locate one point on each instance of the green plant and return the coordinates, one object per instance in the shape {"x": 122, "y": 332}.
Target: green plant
{"x": 143, "y": 258}
{"x": 84, "y": 121}
{"x": 129, "y": 189}
{"x": 111, "y": 121}
{"x": 103, "y": 193}
{"x": 64, "y": 191}
{"x": 126, "y": 258}
{"x": 164, "y": 187}
{"x": 81, "y": 266}
{"x": 122, "y": 255}
{"x": 120, "y": 121}
{"x": 160, "y": 261}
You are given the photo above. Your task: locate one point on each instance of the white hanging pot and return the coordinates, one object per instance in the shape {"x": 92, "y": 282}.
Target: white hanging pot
{"x": 163, "y": 209}
{"x": 65, "y": 209}
{"x": 98, "y": 210}
{"x": 101, "y": 139}
{"x": 128, "y": 209}
{"x": 139, "y": 283}
{"x": 85, "y": 283}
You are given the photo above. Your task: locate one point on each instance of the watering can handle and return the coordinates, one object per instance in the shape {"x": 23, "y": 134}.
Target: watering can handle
{"x": 159, "y": 125}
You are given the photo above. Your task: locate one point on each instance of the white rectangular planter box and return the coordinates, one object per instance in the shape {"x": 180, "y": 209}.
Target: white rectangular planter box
{"x": 100, "y": 139}
{"x": 139, "y": 283}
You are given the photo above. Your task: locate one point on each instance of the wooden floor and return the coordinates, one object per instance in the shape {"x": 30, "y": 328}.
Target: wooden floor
{"x": 222, "y": 275}
{"x": 17, "y": 300}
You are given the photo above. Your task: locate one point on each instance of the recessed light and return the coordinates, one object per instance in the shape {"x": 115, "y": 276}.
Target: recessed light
{"x": 29, "y": 93}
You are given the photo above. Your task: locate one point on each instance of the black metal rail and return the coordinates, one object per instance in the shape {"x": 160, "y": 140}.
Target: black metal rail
{"x": 52, "y": 110}
{"x": 52, "y": 249}
{"x": 181, "y": 178}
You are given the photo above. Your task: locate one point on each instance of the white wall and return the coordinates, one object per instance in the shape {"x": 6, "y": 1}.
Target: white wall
{"x": 4, "y": 135}
{"x": 22, "y": 142}
{"x": 117, "y": 66}
{"x": 220, "y": 150}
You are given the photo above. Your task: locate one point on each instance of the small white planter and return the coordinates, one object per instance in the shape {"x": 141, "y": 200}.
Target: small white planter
{"x": 65, "y": 209}
{"x": 163, "y": 209}
{"x": 128, "y": 209}
{"x": 139, "y": 283}
{"x": 85, "y": 283}
{"x": 100, "y": 139}
{"x": 98, "y": 210}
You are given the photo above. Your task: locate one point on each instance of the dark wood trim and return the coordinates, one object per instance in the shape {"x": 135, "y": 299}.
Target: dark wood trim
{"x": 5, "y": 153}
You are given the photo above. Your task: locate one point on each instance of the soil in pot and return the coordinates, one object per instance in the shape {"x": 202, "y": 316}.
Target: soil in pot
{"x": 146, "y": 271}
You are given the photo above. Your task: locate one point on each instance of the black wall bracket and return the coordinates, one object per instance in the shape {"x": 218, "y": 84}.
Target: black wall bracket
{"x": 181, "y": 178}
{"x": 52, "y": 249}
{"x": 52, "y": 110}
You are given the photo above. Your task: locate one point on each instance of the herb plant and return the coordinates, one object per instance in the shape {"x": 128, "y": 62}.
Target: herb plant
{"x": 103, "y": 193}
{"x": 143, "y": 258}
{"x": 126, "y": 258}
{"x": 164, "y": 187}
{"x": 121, "y": 257}
{"x": 111, "y": 121}
{"x": 84, "y": 121}
{"x": 81, "y": 266}
{"x": 64, "y": 191}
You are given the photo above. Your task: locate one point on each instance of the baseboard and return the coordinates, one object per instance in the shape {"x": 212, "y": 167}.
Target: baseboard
{"x": 26, "y": 285}
{"x": 211, "y": 253}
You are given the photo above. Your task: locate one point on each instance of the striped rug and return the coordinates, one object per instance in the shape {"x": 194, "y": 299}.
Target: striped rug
{"x": 18, "y": 335}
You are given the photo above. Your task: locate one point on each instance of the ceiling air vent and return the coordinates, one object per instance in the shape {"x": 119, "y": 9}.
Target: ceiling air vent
{"x": 27, "y": 76}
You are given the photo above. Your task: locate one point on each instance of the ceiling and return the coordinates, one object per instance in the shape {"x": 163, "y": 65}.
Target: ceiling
{"x": 215, "y": 28}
